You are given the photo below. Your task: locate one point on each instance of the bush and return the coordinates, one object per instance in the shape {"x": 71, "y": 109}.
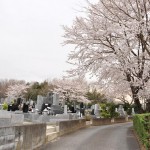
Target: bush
{"x": 5, "y": 106}
{"x": 108, "y": 110}
{"x": 104, "y": 111}
{"x": 141, "y": 125}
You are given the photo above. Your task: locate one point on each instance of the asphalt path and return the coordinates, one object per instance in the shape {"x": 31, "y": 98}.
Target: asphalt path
{"x": 108, "y": 137}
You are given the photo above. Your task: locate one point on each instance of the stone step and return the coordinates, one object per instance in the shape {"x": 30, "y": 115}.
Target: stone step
{"x": 51, "y": 136}
{"x": 50, "y": 129}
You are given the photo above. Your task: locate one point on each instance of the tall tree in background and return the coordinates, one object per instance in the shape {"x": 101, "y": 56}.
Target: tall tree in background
{"x": 37, "y": 88}
{"x": 71, "y": 89}
{"x": 5, "y": 84}
{"x": 17, "y": 90}
{"x": 96, "y": 97}
{"x": 113, "y": 43}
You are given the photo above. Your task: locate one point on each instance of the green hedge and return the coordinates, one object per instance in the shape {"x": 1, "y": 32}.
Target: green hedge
{"x": 141, "y": 125}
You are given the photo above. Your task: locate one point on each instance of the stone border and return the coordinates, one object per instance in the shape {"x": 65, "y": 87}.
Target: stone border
{"x": 30, "y": 136}
{"x": 109, "y": 121}
{"x": 101, "y": 121}
{"x": 23, "y": 137}
{"x": 70, "y": 126}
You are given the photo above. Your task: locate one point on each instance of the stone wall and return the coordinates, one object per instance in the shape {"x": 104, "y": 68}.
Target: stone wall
{"x": 22, "y": 137}
{"x": 70, "y": 126}
{"x": 120, "y": 120}
{"x": 107, "y": 121}
{"x": 7, "y": 138}
{"x": 101, "y": 121}
{"x": 30, "y": 137}
{"x": 5, "y": 118}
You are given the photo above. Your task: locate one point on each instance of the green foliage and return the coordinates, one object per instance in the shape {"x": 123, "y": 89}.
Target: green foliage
{"x": 95, "y": 96}
{"x": 5, "y": 106}
{"x": 68, "y": 103}
{"x": 104, "y": 111}
{"x": 89, "y": 105}
{"x": 141, "y": 125}
{"x": 38, "y": 89}
{"x": 111, "y": 109}
{"x": 108, "y": 110}
{"x": 128, "y": 108}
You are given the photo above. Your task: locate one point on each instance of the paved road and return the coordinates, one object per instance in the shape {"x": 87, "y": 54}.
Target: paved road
{"x": 109, "y": 137}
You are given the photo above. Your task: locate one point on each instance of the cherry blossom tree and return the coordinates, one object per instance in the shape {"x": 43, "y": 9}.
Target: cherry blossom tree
{"x": 17, "y": 90}
{"x": 5, "y": 83}
{"x": 71, "y": 89}
{"x": 112, "y": 42}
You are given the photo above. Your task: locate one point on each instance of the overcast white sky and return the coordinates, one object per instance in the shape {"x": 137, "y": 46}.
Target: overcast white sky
{"x": 31, "y": 37}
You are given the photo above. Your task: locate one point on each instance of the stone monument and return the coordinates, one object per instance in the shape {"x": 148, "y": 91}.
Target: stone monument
{"x": 121, "y": 111}
{"x": 133, "y": 112}
{"x": 97, "y": 110}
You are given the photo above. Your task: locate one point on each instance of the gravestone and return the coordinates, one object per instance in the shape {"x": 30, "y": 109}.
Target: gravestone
{"x": 55, "y": 99}
{"x": 63, "y": 103}
{"x": 19, "y": 101}
{"x": 92, "y": 109}
{"x": 65, "y": 109}
{"x": 78, "y": 113}
{"x": 49, "y": 98}
{"x": 31, "y": 102}
{"x": 56, "y": 109}
{"x": 40, "y": 102}
{"x": 133, "y": 112}
{"x": 121, "y": 111}
{"x": 116, "y": 109}
{"x": 45, "y": 100}
{"x": 25, "y": 108}
{"x": 97, "y": 111}
{"x": 77, "y": 107}
{"x": 51, "y": 102}
{"x": 74, "y": 105}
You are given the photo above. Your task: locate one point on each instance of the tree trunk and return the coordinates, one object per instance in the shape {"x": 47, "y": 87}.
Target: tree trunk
{"x": 148, "y": 105}
{"x": 135, "y": 90}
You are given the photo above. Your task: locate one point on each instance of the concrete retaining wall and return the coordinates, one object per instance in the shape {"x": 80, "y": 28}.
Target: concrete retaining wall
{"x": 101, "y": 121}
{"x": 70, "y": 126}
{"x": 30, "y": 137}
{"x": 107, "y": 121}
{"x": 22, "y": 137}
{"x": 120, "y": 120}
{"x": 7, "y": 138}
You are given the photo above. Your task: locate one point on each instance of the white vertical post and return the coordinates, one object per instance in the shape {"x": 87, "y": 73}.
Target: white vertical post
{"x": 65, "y": 109}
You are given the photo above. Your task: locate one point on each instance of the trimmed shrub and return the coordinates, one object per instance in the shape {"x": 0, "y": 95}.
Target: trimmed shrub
{"x": 141, "y": 123}
{"x": 108, "y": 110}
{"x": 5, "y": 106}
